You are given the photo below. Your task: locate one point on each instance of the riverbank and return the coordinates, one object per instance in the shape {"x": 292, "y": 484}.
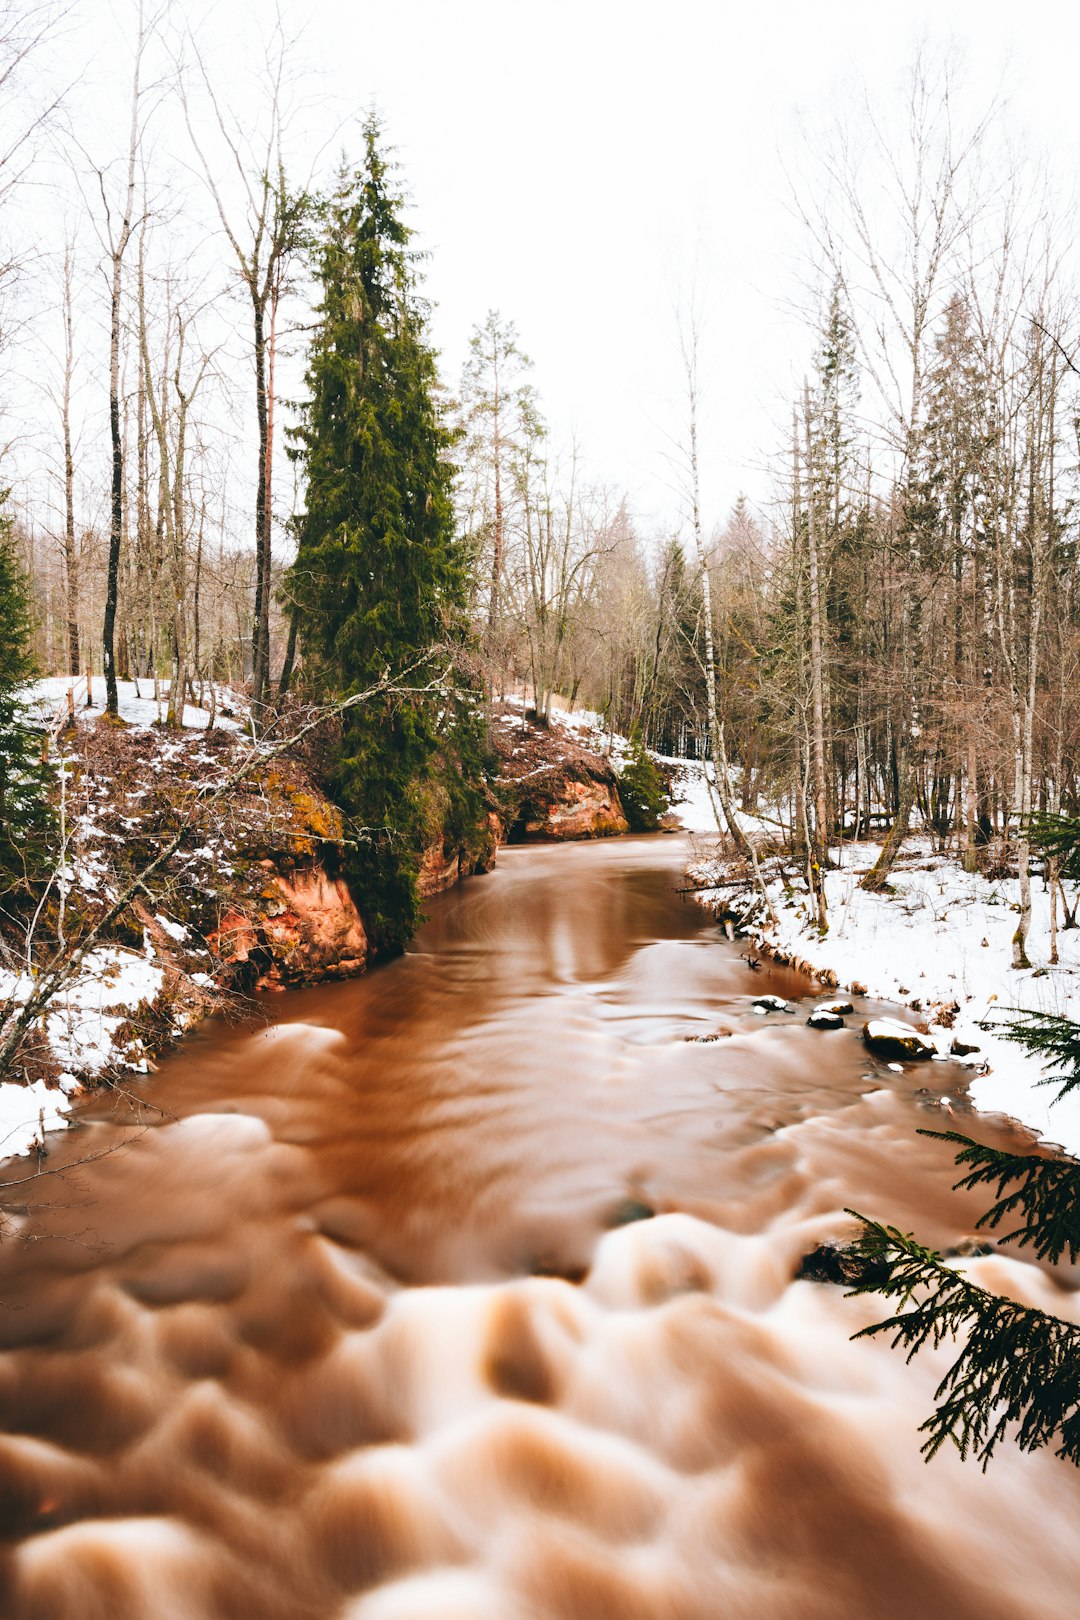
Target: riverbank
{"x": 253, "y": 899}
{"x": 939, "y": 942}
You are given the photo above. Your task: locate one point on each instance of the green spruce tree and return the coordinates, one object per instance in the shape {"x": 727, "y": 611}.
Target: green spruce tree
{"x": 641, "y": 788}
{"x": 380, "y": 581}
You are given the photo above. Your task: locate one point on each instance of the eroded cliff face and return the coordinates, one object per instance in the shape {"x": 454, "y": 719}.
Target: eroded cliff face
{"x": 306, "y": 929}
{"x": 445, "y": 863}
{"x": 552, "y": 786}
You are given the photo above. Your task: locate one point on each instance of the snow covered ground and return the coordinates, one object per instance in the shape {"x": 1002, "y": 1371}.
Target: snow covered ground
{"x": 48, "y": 699}
{"x": 82, "y": 1026}
{"x": 691, "y": 800}
{"x": 85, "y": 1026}
{"x": 942, "y": 936}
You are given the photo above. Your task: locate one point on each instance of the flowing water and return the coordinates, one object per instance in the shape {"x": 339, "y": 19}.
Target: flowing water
{"x": 362, "y": 1326}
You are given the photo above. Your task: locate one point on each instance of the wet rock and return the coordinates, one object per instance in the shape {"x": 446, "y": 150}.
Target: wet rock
{"x": 576, "y": 807}
{"x": 768, "y": 1004}
{"x": 840, "y": 1263}
{"x": 837, "y": 1005}
{"x": 888, "y": 1038}
{"x": 627, "y": 1211}
{"x": 963, "y": 1048}
{"x": 823, "y": 1018}
{"x": 969, "y": 1248}
{"x": 708, "y": 1040}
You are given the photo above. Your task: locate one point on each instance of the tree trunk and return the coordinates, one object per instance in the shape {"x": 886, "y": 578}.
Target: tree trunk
{"x": 71, "y": 551}
{"x": 118, "y": 247}
{"x": 290, "y": 655}
{"x": 817, "y": 683}
{"x": 260, "y": 636}
{"x": 876, "y": 880}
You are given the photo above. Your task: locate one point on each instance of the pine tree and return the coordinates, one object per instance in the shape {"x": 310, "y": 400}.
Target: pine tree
{"x": 1018, "y": 1371}
{"x": 380, "y": 581}
{"x": 25, "y": 820}
{"x": 641, "y": 789}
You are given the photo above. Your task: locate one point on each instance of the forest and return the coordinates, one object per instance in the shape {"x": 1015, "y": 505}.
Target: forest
{"x": 254, "y": 489}
{"x": 892, "y": 635}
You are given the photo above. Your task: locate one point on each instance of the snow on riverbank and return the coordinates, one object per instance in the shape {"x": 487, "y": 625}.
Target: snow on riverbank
{"x": 942, "y": 936}
{"x": 691, "y": 799}
{"x": 83, "y": 1029}
{"x": 92, "y": 1027}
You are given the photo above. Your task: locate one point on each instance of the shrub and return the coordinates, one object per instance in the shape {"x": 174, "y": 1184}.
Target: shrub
{"x": 642, "y": 789}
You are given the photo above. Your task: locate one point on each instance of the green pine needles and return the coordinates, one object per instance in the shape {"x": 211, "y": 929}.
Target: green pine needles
{"x": 1056, "y": 1040}
{"x": 641, "y": 789}
{"x": 380, "y": 579}
{"x": 1018, "y": 1371}
{"x": 1019, "y": 1368}
{"x": 1058, "y": 837}
{"x": 1045, "y": 1193}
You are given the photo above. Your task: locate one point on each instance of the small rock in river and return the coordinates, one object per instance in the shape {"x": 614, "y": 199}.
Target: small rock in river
{"x": 969, "y": 1248}
{"x": 962, "y": 1048}
{"x": 840, "y": 1263}
{"x": 628, "y": 1210}
{"x": 836, "y": 1006}
{"x": 768, "y": 1004}
{"x": 889, "y": 1038}
{"x": 822, "y": 1018}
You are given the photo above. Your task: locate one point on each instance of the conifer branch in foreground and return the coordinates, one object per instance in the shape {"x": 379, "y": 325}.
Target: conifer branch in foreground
{"x": 1044, "y": 1192}
{"x": 1047, "y": 1036}
{"x": 1019, "y": 1369}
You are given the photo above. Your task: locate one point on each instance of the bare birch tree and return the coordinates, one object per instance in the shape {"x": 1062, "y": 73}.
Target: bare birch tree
{"x": 265, "y": 230}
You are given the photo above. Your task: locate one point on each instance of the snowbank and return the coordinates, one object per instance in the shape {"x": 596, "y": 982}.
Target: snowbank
{"x": 137, "y": 704}
{"x": 691, "y": 800}
{"x": 942, "y": 936}
{"x": 82, "y": 1027}
{"x": 101, "y": 1021}
{"x": 27, "y": 1112}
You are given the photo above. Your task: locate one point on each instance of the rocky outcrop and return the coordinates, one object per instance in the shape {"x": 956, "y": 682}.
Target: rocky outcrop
{"x": 306, "y": 929}
{"x": 444, "y": 863}
{"x": 254, "y": 898}
{"x": 551, "y": 785}
{"x": 572, "y": 806}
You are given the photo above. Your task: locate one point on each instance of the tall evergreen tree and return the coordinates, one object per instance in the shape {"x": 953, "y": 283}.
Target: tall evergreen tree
{"x": 380, "y": 580}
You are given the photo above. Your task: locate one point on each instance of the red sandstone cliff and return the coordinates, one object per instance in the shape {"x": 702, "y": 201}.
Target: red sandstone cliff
{"x": 551, "y": 785}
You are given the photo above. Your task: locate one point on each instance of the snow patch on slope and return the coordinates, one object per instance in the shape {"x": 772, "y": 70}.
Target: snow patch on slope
{"x": 48, "y": 698}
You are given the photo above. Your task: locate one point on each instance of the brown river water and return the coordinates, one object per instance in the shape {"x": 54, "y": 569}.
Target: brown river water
{"x": 357, "y": 1327}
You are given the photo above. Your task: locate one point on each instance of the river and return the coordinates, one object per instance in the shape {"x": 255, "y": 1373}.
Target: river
{"x": 463, "y": 1291}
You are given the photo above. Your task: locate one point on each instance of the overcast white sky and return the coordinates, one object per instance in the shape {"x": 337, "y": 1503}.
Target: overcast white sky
{"x": 569, "y": 161}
